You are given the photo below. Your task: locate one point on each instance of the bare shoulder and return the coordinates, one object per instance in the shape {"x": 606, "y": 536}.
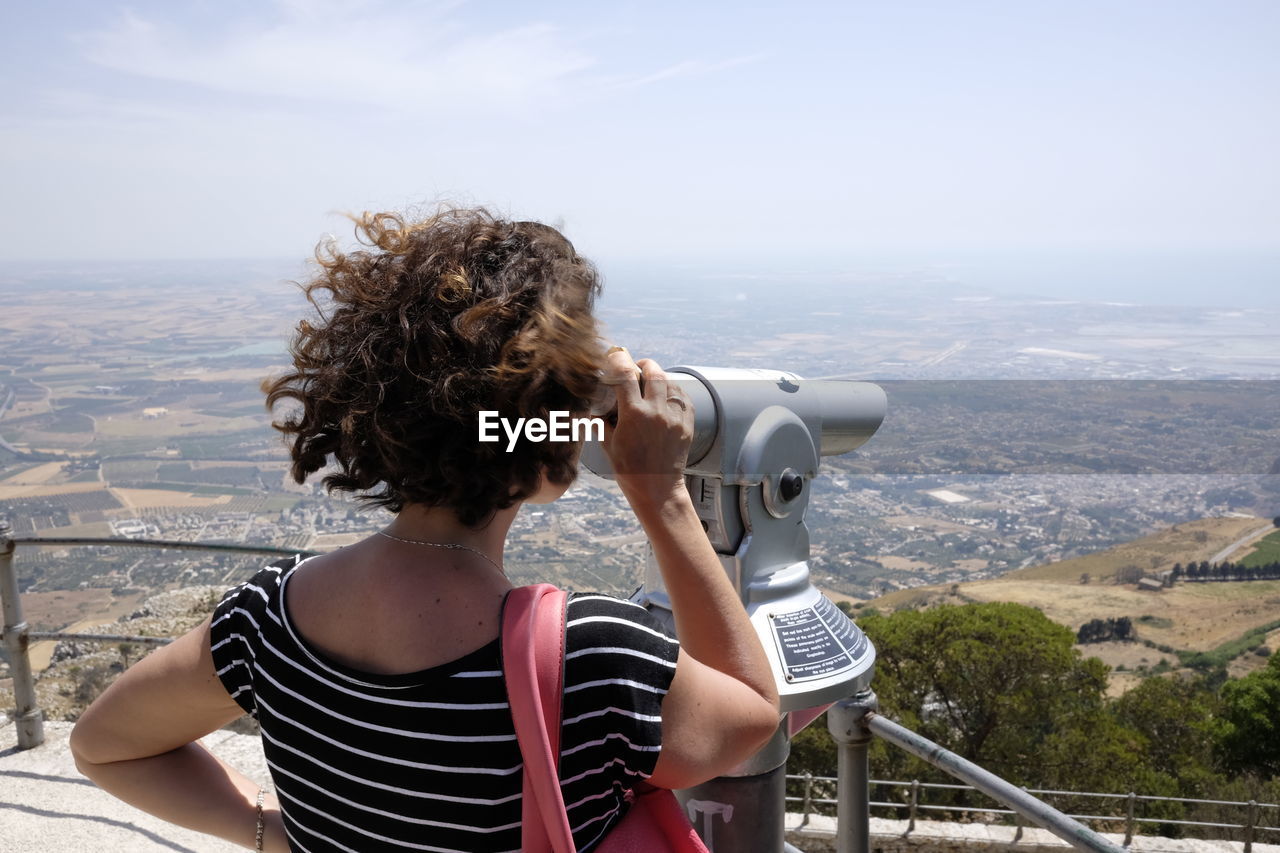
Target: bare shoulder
{"x": 390, "y": 617}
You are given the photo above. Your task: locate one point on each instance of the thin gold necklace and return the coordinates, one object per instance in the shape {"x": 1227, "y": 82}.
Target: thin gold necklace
{"x": 451, "y": 545}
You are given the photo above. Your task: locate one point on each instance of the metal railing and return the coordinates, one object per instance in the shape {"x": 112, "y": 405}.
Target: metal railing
{"x": 815, "y": 789}
{"x": 851, "y": 723}
{"x": 17, "y": 635}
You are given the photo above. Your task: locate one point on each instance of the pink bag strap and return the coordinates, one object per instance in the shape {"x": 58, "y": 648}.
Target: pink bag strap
{"x": 533, "y": 664}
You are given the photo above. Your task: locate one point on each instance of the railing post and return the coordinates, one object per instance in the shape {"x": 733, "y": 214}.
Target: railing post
{"x": 1249, "y": 827}
{"x": 846, "y": 722}
{"x": 807, "y": 804}
{"x": 911, "y": 808}
{"x": 1128, "y": 818}
{"x": 29, "y": 720}
{"x": 1017, "y": 822}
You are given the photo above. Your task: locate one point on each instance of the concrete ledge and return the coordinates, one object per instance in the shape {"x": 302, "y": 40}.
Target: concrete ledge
{"x": 48, "y": 807}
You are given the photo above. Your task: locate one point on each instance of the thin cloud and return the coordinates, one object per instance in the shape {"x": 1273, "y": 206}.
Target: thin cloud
{"x": 375, "y": 54}
{"x": 688, "y": 68}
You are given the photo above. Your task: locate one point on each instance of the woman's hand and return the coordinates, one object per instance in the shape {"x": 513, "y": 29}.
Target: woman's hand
{"x": 649, "y": 444}
{"x": 722, "y": 705}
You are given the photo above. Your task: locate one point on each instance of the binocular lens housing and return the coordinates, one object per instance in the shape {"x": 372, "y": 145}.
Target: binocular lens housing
{"x": 841, "y": 414}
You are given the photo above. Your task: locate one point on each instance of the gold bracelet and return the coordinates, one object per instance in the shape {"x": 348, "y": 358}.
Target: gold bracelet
{"x": 257, "y": 838}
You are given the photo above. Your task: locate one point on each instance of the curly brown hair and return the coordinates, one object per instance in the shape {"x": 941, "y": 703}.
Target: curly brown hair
{"x": 439, "y": 319}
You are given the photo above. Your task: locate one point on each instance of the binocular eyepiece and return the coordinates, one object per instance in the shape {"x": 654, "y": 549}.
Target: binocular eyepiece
{"x": 840, "y": 415}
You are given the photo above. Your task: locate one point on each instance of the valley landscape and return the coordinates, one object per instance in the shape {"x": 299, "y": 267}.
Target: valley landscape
{"x": 129, "y": 407}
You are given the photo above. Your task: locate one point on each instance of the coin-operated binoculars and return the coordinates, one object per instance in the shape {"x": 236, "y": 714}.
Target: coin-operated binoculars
{"x": 758, "y": 436}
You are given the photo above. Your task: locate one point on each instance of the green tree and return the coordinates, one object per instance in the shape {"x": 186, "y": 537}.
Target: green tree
{"x": 1088, "y": 749}
{"x": 1175, "y": 719}
{"x": 1001, "y": 685}
{"x": 1248, "y": 730}
{"x": 998, "y": 683}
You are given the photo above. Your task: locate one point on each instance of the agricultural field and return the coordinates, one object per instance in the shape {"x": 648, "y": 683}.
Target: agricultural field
{"x": 72, "y": 610}
{"x": 1267, "y": 550}
{"x": 138, "y": 499}
{"x": 1199, "y": 617}
{"x": 35, "y": 474}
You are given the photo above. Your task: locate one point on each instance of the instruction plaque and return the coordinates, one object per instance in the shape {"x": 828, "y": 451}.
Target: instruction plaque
{"x": 817, "y": 641}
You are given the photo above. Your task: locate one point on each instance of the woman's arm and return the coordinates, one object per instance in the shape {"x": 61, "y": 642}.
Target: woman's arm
{"x": 723, "y": 704}
{"x": 136, "y": 741}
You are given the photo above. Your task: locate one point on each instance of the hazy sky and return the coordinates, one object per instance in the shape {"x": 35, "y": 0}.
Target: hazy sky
{"x": 654, "y": 130}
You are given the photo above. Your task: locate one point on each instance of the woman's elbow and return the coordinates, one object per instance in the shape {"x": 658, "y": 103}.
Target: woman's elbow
{"x": 754, "y": 725}
{"x": 87, "y": 743}
{"x": 761, "y": 724}
{"x": 81, "y": 745}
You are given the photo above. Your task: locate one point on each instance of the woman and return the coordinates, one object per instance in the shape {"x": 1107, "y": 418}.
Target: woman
{"x": 374, "y": 670}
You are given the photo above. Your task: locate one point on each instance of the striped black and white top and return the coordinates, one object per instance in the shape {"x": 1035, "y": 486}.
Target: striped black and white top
{"x": 429, "y": 760}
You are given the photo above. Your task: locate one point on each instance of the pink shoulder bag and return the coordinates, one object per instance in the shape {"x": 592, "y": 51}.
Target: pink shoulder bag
{"x": 533, "y": 662}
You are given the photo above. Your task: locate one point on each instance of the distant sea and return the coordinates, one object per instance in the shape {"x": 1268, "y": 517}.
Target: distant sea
{"x": 1200, "y": 278}
{"x": 1197, "y": 278}
{"x": 1236, "y": 279}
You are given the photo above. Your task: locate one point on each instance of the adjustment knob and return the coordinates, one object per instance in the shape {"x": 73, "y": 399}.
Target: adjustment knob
{"x": 790, "y": 485}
